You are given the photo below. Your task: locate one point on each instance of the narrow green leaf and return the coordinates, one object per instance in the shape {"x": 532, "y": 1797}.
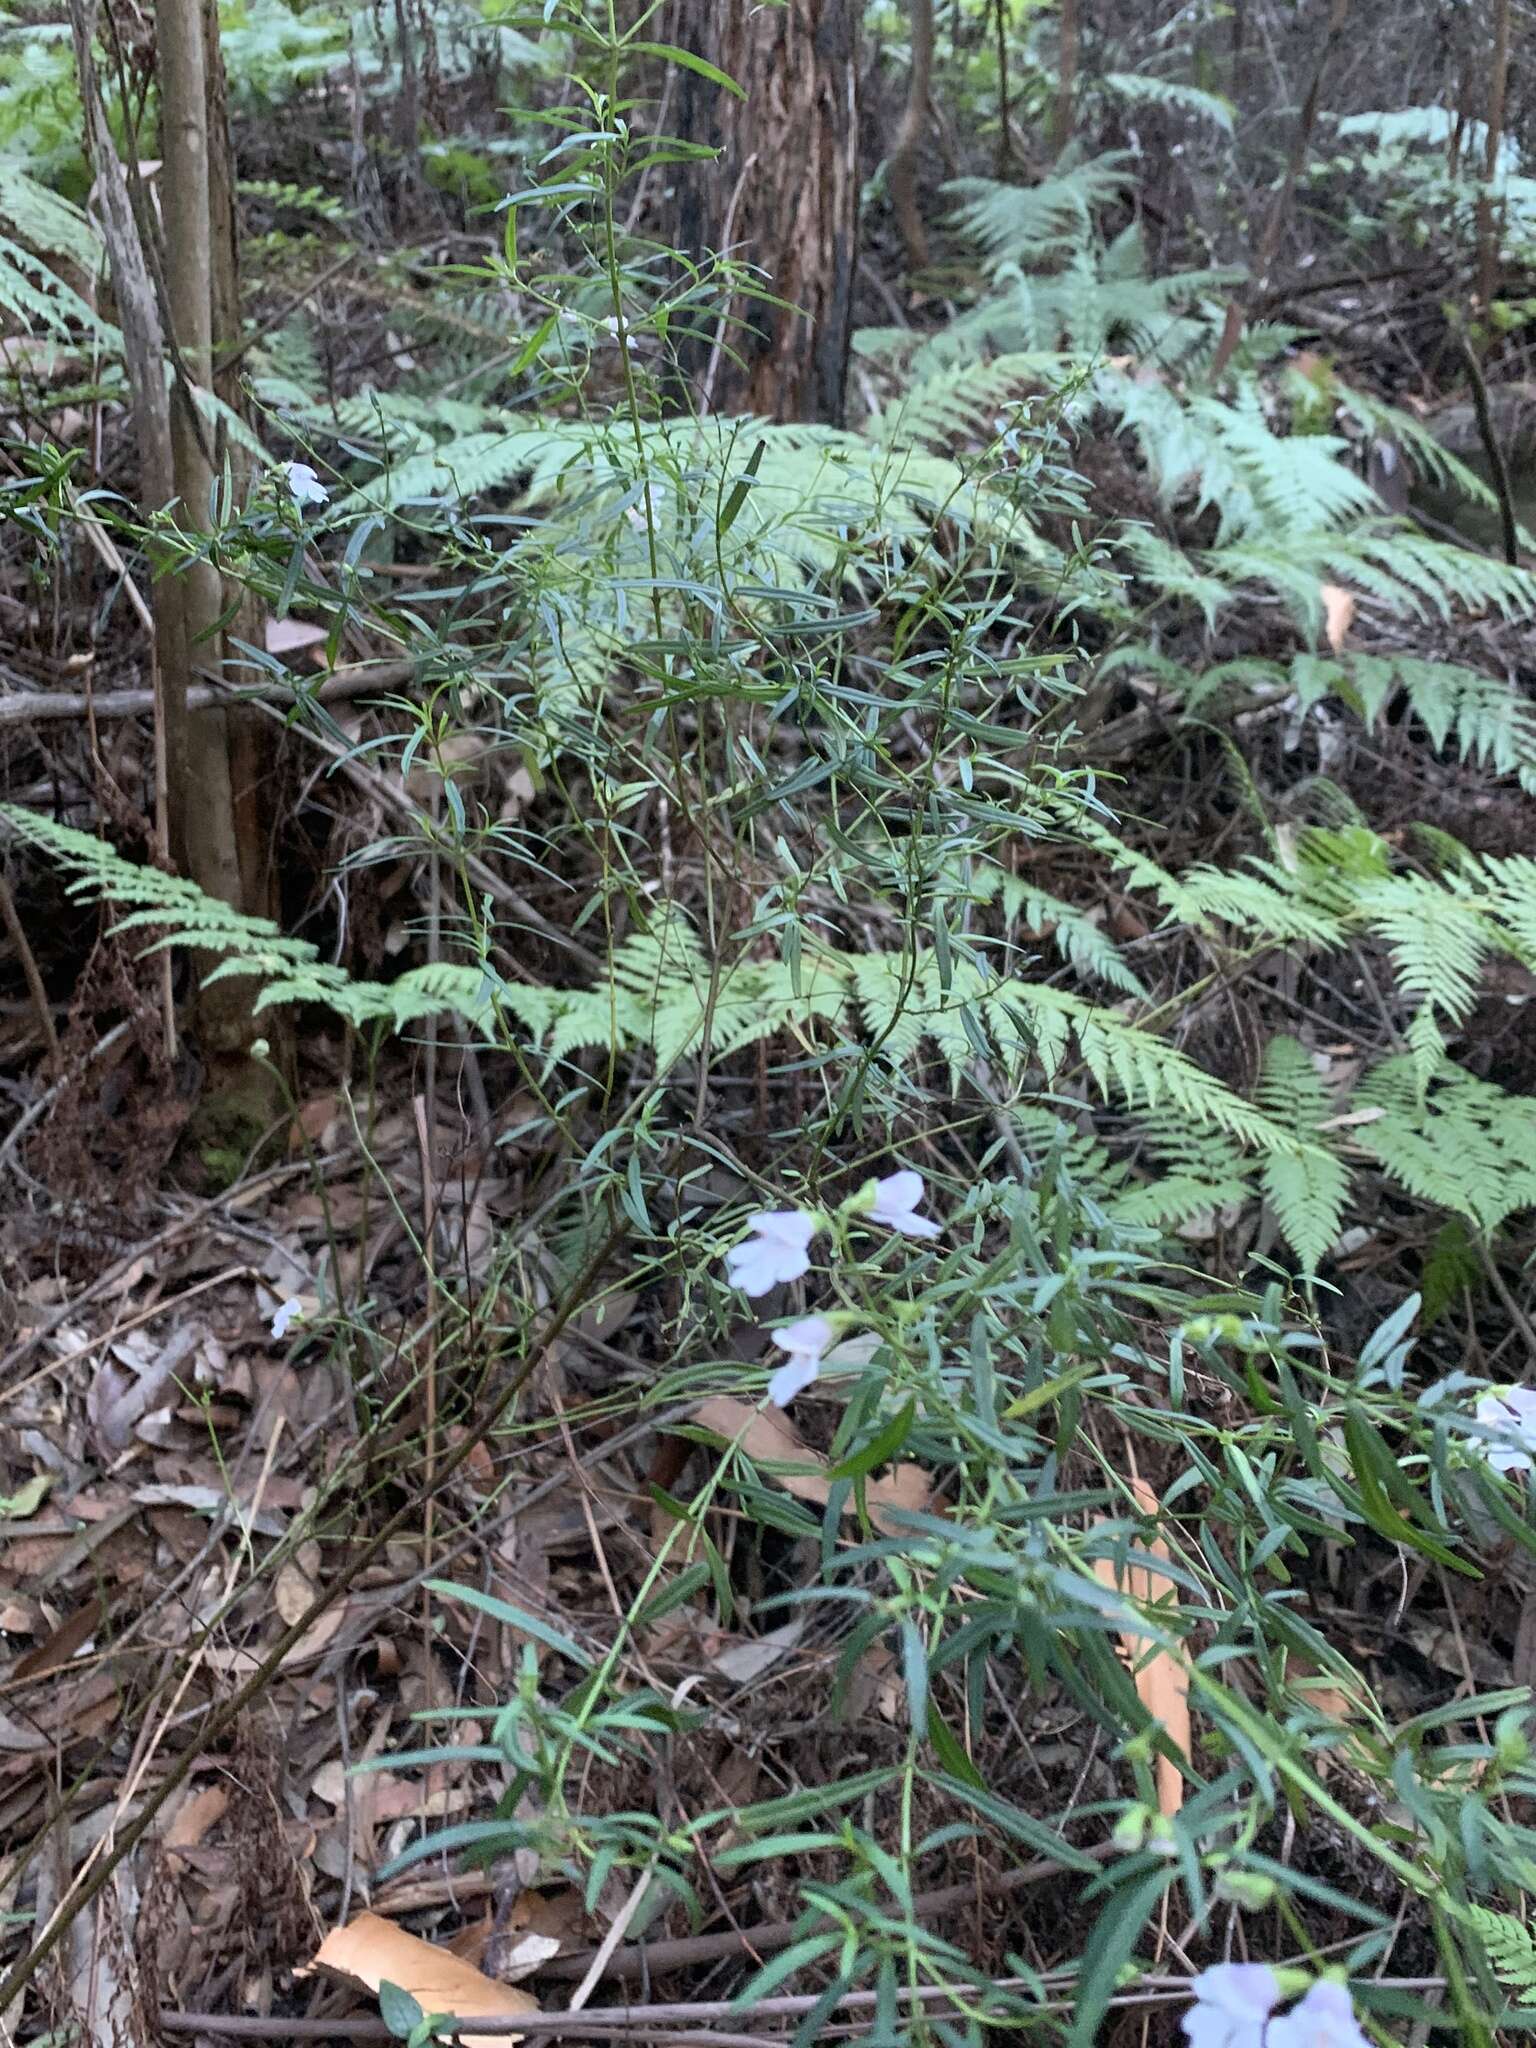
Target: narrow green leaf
{"x": 690, "y": 61}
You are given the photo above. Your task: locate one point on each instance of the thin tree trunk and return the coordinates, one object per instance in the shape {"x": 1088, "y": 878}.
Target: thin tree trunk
{"x": 187, "y": 185}
{"x": 408, "y": 112}
{"x": 1269, "y": 245}
{"x": 1487, "y": 213}
{"x": 784, "y": 192}
{"x": 252, "y": 752}
{"x": 1002, "y": 161}
{"x": 144, "y": 351}
{"x": 1064, "y": 116}
{"x": 901, "y": 164}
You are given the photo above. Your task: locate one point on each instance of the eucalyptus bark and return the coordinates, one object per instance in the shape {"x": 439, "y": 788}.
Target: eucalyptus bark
{"x": 783, "y": 195}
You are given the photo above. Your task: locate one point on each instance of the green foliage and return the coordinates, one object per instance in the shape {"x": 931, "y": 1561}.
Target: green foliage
{"x": 1511, "y": 1950}
{"x": 807, "y": 728}
{"x": 1307, "y": 1188}
{"x": 41, "y": 224}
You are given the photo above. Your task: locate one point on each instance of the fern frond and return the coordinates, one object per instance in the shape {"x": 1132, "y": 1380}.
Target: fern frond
{"x": 1306, "y": 1190}
{"x": 1510, "y": 1948}
{"x": 1461, "y": 1144}
{"x": 1167, "y": 93}
{"x": 1019, "y": 223}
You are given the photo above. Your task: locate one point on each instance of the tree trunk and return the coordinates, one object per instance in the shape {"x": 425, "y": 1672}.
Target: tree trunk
{"x": 252, "y": 745}
{"x": 784, "y": 195}
{"x": 197, "y": 200}
{"x": 1301, "y": 143}
{"x": 1064, "y": 114}
{"x": 144, "y": 354}
{"x": 1487, "y": 213}
{"x": 901, "y": 165}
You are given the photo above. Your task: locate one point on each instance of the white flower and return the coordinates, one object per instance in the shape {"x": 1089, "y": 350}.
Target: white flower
{"x": 1323, "y": 2019}
{"x": 290, "y": 1313}
{"x": 1232, "y": 2003}
{"x": 1511, "y": 1413}
{"x": 807, "y": 1343}
{"x": 896, "y": 1199}
{"x": 778, "y": 1249}
{"x": 304, "y": 486}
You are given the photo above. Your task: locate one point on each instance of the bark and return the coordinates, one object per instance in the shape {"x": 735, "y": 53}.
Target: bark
{"x": 1064, "y": 115}
{"x": 901, "y": 165}
{"x": 1487, "y": 213}
{"x": 195, "y": 198}
{"x": 784, "y": 193}
{"x": 252, "y": 748}
{"x": 1269, "y": 245}
{"x": 144, "y": 351}
{"x": 1002, "y": 162}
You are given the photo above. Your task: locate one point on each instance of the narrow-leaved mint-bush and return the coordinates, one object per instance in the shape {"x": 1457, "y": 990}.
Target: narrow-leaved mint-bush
{"x": 806, "y": 1343}
{"x": 1233, "y": 2002}
{"x": 1511, "y": 1413}
{"x": 778, "y": 1249}
{"x": 895, "y": 1204}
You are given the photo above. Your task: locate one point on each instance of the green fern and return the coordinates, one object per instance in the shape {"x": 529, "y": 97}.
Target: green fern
{"x": 1306, "y": 1190}
{"x": 1141, "y": 89}
{"x": 1021, "y": 223}
{"x": 1510, "y": 1948}
{"x": 1461, "y": 1144}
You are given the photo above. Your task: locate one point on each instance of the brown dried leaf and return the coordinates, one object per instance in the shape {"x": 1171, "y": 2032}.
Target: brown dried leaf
{"x": 197, "y": 1813}
{"x": 293, "y": 636}
{"x": 292, "y": 1593}
{"x": 1338, "y": 614}
{"x": 1162, "y": 1680}
{"x": 369, "y": 1952}
{"x": 67, "y": 1639}
{"x": 769, "y": 1438}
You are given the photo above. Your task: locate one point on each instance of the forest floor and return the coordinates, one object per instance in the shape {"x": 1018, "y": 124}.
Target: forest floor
{"x": 182, "y": 1406}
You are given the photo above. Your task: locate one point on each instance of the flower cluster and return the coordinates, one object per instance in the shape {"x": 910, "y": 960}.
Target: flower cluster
{"x": 1235, "y": 2008}
{"x": 778, "y": 1248}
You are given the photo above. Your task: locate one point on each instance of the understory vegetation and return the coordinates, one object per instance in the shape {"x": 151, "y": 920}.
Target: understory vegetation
{"x": 828, "y": 1106}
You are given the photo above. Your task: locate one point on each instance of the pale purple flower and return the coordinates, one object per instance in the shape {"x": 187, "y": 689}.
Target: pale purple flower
{"x": 895, "y": 1205}
{"x": 778, "y": 1249}
{"x": 304, "y": 487}
{"x": 807, "y": 1343}
{"x": 288, "y": 1314}
{"x": 1512, "y": 1413}
{"x": 1323, "y": 2019}
{"x": 1232, "y": 2003}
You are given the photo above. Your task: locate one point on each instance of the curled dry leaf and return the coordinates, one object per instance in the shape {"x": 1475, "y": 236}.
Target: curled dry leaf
{"x": 770, "y": 1438}
{"x": 196, "y": 1814}
{"x": 369, "y": 1951}
{"x": 1162, "y": 1679}
{"x": 1338, "y": 613}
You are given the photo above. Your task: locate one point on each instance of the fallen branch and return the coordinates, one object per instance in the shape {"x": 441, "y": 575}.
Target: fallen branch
{"x": 774, "y": 1935}
{"x": 1494, "y": 451}
{"x": 30, "y": 707}
{"x": 677, "y": 2021}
